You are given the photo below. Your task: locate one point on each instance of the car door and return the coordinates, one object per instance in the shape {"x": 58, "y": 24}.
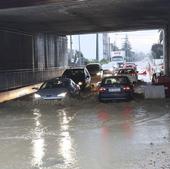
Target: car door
{"x": 87, "y": 76}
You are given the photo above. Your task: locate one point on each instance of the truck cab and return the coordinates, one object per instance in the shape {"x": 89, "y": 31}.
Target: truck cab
{"x": 118, "y": 61}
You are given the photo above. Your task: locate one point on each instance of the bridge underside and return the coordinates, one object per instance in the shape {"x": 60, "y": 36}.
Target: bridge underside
{"x": 83, "y": 16}
{"x": 33, "y": 32}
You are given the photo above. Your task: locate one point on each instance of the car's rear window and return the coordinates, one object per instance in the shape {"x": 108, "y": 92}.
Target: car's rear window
{"x": 73, "y": 72}
{"x": 106, "y": 71}
{"x": 126, "y": 71}
{"x": 93, "y": 67}
{"x": 133, "y": 64}
{"x": 115, "y": 80}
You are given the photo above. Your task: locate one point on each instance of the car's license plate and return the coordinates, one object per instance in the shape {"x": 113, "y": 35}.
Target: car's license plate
{"x": 114, "y": 90}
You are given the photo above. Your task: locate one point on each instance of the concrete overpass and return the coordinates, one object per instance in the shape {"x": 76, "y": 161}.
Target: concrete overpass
{"x": 45, "y": 19}
{"x": 83, "y": 16}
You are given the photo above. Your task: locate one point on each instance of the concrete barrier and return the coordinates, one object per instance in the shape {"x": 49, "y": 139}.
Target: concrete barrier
{"x": 154, "y": 92}
{"x": 13, "y": 94}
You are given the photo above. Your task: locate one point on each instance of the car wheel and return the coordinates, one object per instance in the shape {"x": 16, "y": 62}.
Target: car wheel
{"x": 77, "y": 93}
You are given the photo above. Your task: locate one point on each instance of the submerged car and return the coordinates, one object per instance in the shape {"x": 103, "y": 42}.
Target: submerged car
{"x": 80, "y": 76}
{"x": 130, "y": 73}
{"x": 115, "y": 88}
{"x": 57, "y": 88}
{"x": 96, "y": 72}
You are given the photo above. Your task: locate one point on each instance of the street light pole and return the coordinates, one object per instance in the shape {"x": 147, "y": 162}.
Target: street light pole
{"x": 97, "y": 47}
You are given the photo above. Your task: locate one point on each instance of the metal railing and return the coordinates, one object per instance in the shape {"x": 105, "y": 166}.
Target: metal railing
{"x": 11, "y": 79}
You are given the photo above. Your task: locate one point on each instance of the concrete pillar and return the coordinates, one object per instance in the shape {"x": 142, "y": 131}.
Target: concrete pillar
{"x": 167, "y": 49}
{"x": 39, "y": 48}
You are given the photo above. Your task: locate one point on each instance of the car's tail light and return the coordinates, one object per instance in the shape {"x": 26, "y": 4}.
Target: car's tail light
{"x": 126, "y": 88}
{"x": 133, "y": 74}
{"x": 102, "y": 89}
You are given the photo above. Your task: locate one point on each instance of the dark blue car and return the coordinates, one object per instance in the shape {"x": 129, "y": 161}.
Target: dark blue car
{"x": 115, "y": 88}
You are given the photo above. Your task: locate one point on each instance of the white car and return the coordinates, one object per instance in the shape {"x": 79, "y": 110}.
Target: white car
{"x": 130, "y": 73}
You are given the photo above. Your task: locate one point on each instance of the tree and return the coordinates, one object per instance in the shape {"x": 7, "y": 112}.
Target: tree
{"x": 93, "y": 61}
{"x": 114, "y": 47}
{"x": 127, "y": 48}
{"x": 86, "y": 61}
{"x": 103, "y": 61}
{"x": 157, "y": 50}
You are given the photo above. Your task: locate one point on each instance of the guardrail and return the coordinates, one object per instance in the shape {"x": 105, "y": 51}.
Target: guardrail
{"x": 19, "y": 78}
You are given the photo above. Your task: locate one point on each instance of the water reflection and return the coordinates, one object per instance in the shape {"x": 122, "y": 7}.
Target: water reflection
{"x": 127, "y": 124}
{"x": 66, "y": 140}
{"x": 38, "y": 141}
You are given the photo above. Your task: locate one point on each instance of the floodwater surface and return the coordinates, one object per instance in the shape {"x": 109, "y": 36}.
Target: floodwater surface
{"x": 85, "y": 134}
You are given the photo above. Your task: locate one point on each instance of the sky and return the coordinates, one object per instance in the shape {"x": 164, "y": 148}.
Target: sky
{"x": 141, "y": 41}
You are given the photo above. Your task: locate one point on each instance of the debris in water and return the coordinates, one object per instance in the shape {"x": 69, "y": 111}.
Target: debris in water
{"x": 151, "y": 144}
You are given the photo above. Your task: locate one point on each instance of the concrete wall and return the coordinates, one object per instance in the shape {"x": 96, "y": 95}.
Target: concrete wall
{"x": 50, "y": 51}
{"x": 15, "y": 50}
{"x": 28, "y": 59}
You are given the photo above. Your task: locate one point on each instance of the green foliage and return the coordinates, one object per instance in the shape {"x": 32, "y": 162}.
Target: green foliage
{"x": 86, "y": 61}
{"x": 93, "y": 61}
{"x": 114, "y": 47}
{"x": 104, "y": 61}
{"x": 157, "y": 50}
{"x": 127, "y": 48}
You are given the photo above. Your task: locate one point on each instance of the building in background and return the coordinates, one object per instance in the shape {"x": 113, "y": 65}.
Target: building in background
{"x": 106, "y": 46}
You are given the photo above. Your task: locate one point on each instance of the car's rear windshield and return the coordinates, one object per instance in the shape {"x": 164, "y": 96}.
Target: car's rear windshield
{"x": 93, "y": 67}
{"x": 55, "y": 84}
{"x": 130, "y": 64}
{"x": 73, "y": 72}
{"x": 115, "y": 80}
{"x": 126, "y": 71}
{"x": 106, "y": 71}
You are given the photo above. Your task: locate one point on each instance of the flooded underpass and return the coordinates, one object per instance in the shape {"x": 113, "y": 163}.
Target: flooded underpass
{"x": 85, "y": 134}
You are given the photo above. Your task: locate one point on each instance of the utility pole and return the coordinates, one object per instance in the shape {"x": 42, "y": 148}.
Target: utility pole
{"x": 79, "y": 43}
{"x": 97, "y": 47}
{"x": 79, "y": 54}
{"x": 109, "y": 57}
{"x": 71, "y": 47}
{"x": 71, "y": 43}
{"x": 70, "y": 56}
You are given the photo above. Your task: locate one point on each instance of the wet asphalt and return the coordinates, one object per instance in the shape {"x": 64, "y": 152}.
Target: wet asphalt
{"x": 82, "y": 133}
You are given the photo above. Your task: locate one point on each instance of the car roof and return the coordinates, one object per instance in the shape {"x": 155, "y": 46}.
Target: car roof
{"x": 127, "y": 69}
{"x": 80, "y": 68}
{"x": 115, "y": 77}
{"x": 93, "y": 64}
{"x": 130, "y": 62}
{"x": 58, "y": 78}
{"x": 75, "y": 67}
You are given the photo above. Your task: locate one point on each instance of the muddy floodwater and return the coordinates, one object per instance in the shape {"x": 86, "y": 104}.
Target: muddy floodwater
{"x": 85, "y": 134}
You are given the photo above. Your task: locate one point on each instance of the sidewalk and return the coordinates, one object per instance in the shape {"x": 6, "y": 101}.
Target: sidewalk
{"x": 13, "y": 94}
